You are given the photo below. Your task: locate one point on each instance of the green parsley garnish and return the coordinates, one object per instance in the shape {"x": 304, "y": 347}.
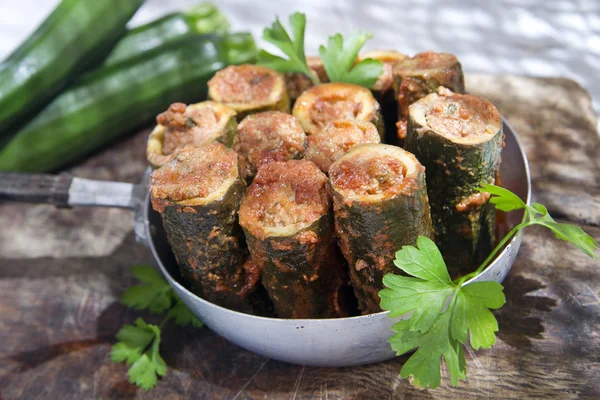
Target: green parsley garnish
{"x": 291, "y": 46}
{"x": 339, "y": 60}
{"x": 445, "y": 313}
{"x": 339, "y": 57}
{"x": 139, "y": 344}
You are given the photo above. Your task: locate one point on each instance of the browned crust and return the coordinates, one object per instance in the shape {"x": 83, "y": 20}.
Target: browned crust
{"x": 462, "y": 115}
{"x": 249, "y": 88}
{"x": 324, "y": 103}
{"x": 193, "y": 173}
{"x": 336, "y": 139}
{"x": 267, "y": 137}
{"x": 284, "y": 193}
{"x": 416, "y": 77}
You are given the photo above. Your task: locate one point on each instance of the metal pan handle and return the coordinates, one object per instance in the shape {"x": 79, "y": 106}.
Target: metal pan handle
{"x": 64, "y": 190}
{"x": 36, "y": 188}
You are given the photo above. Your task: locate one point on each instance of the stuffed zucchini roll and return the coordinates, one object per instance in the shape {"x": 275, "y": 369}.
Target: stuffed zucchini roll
{"x": 197, "y": 125}
{"x": 458, "y": 138}
{"x": 198, "y": 194}
{"x": 336, "y": 139}
{"x": 249, "y": 89}
{"x": 380, "y": 204}
{"x": 383, "y": 89}
{"x": 320, "y": 105}
{"x": 297, "y": 82}
{"x": 265, "y": 137}
{"x": 286, "y": 216}
{"x": 416, "y": 77}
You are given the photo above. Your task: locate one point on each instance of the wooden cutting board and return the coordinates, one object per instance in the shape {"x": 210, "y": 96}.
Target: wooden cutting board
{"x": 63, "y": 271}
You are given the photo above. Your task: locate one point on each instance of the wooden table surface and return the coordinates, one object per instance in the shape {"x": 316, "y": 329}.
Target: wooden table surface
{"x": 63, "y": 271}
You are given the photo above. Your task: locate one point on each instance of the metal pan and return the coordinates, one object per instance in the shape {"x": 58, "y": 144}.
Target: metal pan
{"x": 318, "y": 342}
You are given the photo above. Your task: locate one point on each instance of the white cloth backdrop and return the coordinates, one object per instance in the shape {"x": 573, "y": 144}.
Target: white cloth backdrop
{"x": 526, "y": 37}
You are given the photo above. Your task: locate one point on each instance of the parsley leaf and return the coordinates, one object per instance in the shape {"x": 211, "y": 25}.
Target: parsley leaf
{"x": 425, "y": 299}
{"x": 426, "y": 293}
{"x": 570, "y": 233}
{"x": 139, "y": 344}
{"x": 472, "y": 313}
{"x": 291, "y": 46}
{"x": 153, "y": 295}
{"x": 149, "y": 366}
{"x": 426, "y": 262}
{"x": 183, "y": 316}
{"x": 424, "y": 364}
{"x": 537, "y": 214}
{"x": 339, "y": 60}
{"x": 444, "y": 313}
{"x": 133, "y": 340}
{"x": 504, "y": 199}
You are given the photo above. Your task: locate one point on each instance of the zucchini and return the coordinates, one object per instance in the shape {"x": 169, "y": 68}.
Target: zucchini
{"x": 327, "y": 102}
{"x": 70, "y": 38}
{"x": 119, "y": 98}
{"x": 336, "y": 139}
{"x": 200, "y": 19}
{"x": 266, "y": 137}
{"x": 416, "y": 77}
{"x": 197, "y": 124}
{"x": 384, "y": 86}
{"x": 383, "y": 89}
{"x": 286, "y": 216}
{"x": 249, "y": 89}
{"x": 380, "y": 204}
{"x": 198, "y": 194}
{"x": 458, "y": 138}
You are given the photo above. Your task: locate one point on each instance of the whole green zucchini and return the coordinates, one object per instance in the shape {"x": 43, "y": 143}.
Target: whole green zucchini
{"x": 198, "y": 194}
{"x": 380, "y": 204}
{"x": 118, "y": 98}
{"x": 286, "y": 216}
{"x": 200, "y": 19}
{"x": 74, "y": 34}
{"x": 458, "y": 138}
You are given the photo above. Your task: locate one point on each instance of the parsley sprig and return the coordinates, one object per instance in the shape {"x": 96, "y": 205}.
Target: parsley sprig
{"x": 339, "y": 60}
{"x": 339, "y": 57}
{"x": 446, "y": 313}
{"x": 292, "y": 46}
{"x": 139, "y": 344}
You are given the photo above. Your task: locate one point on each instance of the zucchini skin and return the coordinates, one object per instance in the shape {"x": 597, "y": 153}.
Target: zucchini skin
{"x": 116, "y": 99}
{"x": 369, "y": 234}
{"x": 202, "y": 19}
{"x": 302, "y": 273}
{"x": 409, "y": 88}
{"x": 70, "y": 38}
{"x": 454, "y": 171}
{"x": 209, "y": 246}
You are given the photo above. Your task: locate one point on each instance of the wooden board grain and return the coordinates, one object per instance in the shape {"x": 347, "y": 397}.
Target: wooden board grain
{"x": 62, "y": 272}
